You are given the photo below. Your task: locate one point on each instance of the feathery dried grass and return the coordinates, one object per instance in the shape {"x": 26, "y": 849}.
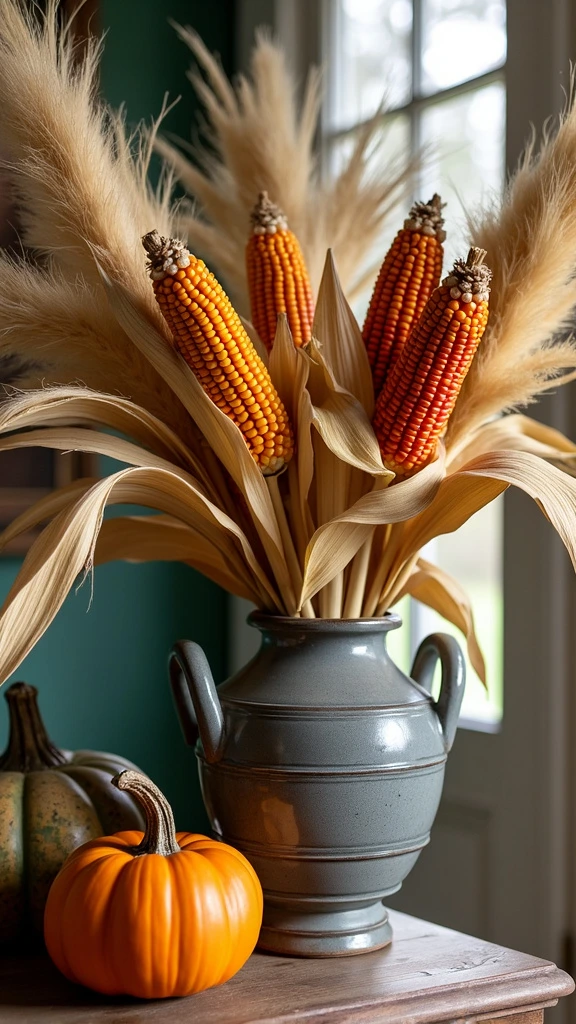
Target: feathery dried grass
{"x": 55, "y": 331}
{"x": 531, "y": 245}
{"x": 84, "y": 202}
{"x": 328, "y": 537}
{"x": 259, "y": 140}
{"x": 80, "y": 189}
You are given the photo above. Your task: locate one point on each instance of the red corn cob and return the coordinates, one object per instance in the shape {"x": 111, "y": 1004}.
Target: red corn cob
{"x": 422, "y": 386}
{"x": 408, "y": 276}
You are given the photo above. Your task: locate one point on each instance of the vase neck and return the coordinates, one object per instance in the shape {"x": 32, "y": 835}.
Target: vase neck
{"x": 282, "y": 631}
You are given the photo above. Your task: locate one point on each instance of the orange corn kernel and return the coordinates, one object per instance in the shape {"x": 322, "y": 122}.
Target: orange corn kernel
{"x": 277, "y": 276}
{"x": 407, "y": 278}
{"x": 423, "y": 384}
{"x": 209, "y": 335}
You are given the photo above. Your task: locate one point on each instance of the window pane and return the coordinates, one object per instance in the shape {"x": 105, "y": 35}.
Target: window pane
{"x": 370, "y": 58}
{"x": 389, "y": 151}
{"x": 399, "y": 641}
{"x": 461, "y": 39}
{"x": 473, "y": 557}
{"x": 465, "y": 137}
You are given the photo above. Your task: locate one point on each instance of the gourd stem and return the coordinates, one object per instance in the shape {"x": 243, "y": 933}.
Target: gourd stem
{"x": 160, "y": 834}
{"x": 29, "y": 749}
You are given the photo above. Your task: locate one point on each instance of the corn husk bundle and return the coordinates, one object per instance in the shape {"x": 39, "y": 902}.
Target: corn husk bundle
{"x": 270, "y": 453}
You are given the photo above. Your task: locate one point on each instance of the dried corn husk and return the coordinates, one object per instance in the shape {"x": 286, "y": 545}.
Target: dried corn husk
{"x": 336, "y": 534}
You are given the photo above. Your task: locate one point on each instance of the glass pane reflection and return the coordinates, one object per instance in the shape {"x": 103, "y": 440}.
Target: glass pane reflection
{"x": 461, "y": 39}
{"x": 389, "y": 151}
{"x": 473, "y": 557}
{"x": 465, "y": 162}
{"x": 371, "y": 62}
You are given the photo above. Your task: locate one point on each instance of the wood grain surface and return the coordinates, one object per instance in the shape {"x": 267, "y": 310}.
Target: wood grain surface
{"x": 428, "y": 974}
{"x": 531, "y": 1017}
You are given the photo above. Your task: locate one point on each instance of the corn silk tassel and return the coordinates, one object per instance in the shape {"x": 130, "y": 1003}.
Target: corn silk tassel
{"x": 409, "y": 274}
{"x": 278, "y": 279}
{"x": 422, "y": 387}
{"x": 209, "y": 335}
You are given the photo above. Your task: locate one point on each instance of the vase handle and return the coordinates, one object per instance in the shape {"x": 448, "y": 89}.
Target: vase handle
{"x": 183, "y": 701}
{"x": 196, "y": 698}
{"x": 444, "y": 648}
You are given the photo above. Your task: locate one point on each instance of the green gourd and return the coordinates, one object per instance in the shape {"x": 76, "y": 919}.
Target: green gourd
{"x": 51, "y": 801}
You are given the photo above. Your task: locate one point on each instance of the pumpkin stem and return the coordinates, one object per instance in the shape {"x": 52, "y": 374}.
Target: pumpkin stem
{"x": 29, "y": 747}
{"x": 160, "y": 834}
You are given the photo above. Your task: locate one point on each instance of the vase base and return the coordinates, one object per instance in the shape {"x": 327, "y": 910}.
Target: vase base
{"x": 336, "y": 933}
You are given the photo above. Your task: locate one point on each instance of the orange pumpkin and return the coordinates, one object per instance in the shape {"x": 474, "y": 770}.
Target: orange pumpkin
{"x": 152, "y": 914}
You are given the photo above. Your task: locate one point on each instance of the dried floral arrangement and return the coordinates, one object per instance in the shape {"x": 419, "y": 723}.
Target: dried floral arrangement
{"x": 295, "y": 458}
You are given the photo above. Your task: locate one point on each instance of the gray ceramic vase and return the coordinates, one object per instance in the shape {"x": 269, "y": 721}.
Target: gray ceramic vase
{"x": 323, "y": 763}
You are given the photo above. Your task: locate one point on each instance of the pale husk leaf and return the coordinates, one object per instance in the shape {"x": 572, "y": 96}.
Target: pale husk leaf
{"x": 552, "y": 490}
{"x": 224, "y": 535}
{"x": 170, "y": 490}
{"x": 438, "y": 590}
{"x": 335, "y": 544}
{"x": 76, "y": 406}
{"x": 46, "y": 508}
{"x": 336, "y": 329}
{"x": 289, "y": 371}
{"x": 59, "y": 332}
{"x": 346, "y": 432}
{"x": 340, "y": 418}
{"x": 66, "y": 546}
{"x": 71, "y": 438}
{"x": 221, "y": 434}
{"x": 463, "y": 493}
{"x": 520, "y": 433}
{"x": 63, "y": 550}
{"x": 166, "y": 487}
{"x": 332, "y": 479}
{"x": 161, "y": 538}
{"x": 457, "y": 499}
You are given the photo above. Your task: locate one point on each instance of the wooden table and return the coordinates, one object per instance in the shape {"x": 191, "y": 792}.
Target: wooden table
{"x": 427, "y": 974}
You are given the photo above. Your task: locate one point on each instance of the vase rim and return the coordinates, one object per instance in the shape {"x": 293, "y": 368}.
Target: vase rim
{"x": 380, "y": 624}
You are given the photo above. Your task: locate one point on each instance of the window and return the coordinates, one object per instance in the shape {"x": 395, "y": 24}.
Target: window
{"x": 439, "y": 67}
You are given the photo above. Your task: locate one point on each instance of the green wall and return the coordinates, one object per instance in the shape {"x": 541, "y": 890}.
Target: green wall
{"x": 143, "y": 58}
{"x": 101, "y": 667}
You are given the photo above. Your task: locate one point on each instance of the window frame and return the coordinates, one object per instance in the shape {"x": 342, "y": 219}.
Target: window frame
{"x": 419, "y": 100}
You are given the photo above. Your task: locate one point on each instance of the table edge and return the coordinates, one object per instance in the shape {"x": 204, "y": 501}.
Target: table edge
{"x": 542, "y": 988}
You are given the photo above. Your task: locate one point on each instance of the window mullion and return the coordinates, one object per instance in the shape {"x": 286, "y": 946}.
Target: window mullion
{"x": 416, "y": 49}
{"x": 430, "y": 99}
{"x": 414, "y": 112}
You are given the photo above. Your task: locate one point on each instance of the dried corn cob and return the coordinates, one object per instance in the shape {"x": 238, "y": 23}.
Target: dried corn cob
{"x": 277, "y": 276}
{"x": 209, "y": 334}
{"x": 423, "y": 385}
{"x": 407, "y": 278}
